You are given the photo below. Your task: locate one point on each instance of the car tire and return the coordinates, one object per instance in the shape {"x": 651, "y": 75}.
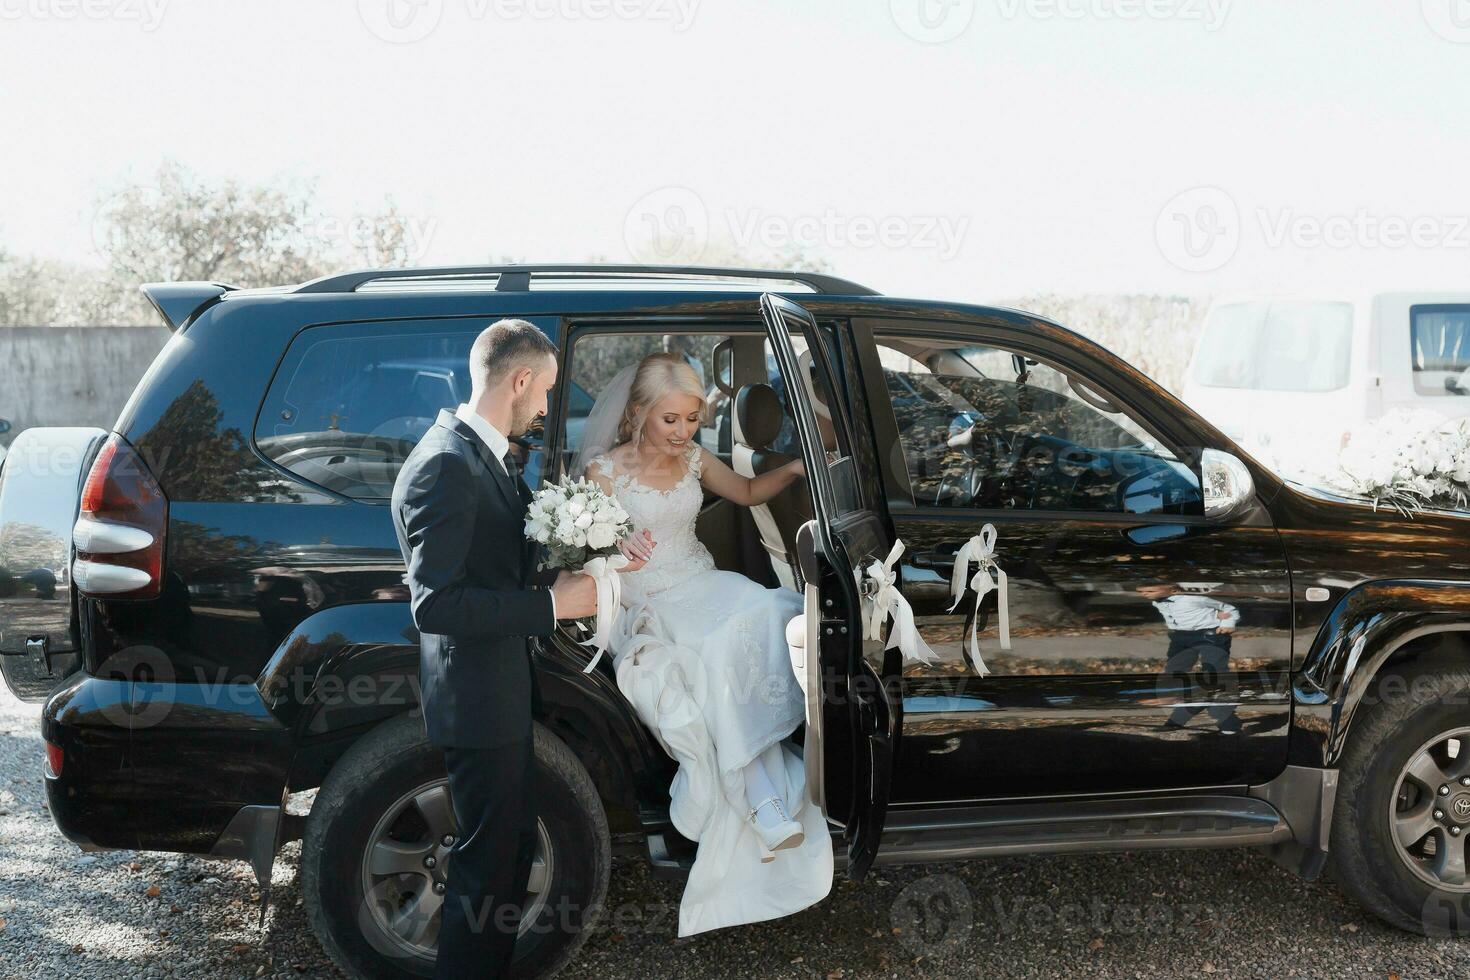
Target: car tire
{"x": 1417, "y": 707}
{"x": 394, "y": 762}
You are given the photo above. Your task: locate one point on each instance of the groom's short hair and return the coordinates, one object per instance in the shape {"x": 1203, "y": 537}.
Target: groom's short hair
{"x": 507, "y": 346}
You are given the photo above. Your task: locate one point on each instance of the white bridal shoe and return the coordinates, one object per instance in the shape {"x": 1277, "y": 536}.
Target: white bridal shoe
{"x": 776, "y": 830}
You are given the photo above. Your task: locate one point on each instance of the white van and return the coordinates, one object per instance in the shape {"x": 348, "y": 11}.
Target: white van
{"x": 1289, "y": 378}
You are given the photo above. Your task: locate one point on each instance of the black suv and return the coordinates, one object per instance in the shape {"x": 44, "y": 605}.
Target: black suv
{"x": 210, "y": 600}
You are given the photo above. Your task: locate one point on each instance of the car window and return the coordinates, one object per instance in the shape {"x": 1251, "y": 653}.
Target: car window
{"x": 595, "y": 358}
{"x": 986, "y": 428}
{"x": 1440, "y": 342}
{"x": 349, "y": 402}
{"x": 1276, "y": 346}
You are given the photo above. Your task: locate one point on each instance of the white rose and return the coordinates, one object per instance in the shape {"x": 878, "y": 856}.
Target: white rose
{"x": 601, "y": 536}
{"x": 579, "y": 538}
{"x": 583, "y": 521}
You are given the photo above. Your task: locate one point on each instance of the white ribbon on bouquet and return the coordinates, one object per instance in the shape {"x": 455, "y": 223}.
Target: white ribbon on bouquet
{"x": 988, "y": 576}
{"x": 887, "y": 601}
{"x": 604, "y": 571}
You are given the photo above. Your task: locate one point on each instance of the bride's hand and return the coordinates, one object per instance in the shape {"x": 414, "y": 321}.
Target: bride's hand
{"x": 637, "y": 548}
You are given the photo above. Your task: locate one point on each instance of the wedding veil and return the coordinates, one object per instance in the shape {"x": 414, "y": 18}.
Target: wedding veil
{"x": 600, "y": 431}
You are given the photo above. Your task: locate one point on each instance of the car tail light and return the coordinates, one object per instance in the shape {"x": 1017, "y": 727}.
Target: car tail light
{"x": 54, "y": 758}
{"x": 119, "y": 534}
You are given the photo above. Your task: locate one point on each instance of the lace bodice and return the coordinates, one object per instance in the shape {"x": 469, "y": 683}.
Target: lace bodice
{"x": 670, "y": 515}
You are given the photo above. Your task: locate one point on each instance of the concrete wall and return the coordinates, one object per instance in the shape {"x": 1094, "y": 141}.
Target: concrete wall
{"x": 71, "y": 375}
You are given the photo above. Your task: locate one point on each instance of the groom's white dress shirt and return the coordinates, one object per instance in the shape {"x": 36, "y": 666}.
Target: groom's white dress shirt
{"x": 499, "y": 445}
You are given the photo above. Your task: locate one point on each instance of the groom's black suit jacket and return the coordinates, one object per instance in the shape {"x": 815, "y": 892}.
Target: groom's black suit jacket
{"x": 460, "y": 523}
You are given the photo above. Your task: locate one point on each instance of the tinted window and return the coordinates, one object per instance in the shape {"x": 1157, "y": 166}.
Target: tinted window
{"x": 350, "y": 402}
{"x": 987, "y": 428}
{"x": 1276, "y": 346}
{"x": 1440, "y": 342}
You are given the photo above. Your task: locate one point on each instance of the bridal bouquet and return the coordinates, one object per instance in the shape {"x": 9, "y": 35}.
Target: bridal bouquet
{"x": 576, "y": 521}
{"x": 581, "y": 527}
{"x": 1409, "y": 460}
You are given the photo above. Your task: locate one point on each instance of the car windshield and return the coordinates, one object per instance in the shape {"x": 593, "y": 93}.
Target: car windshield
{"x": 1276, "y": 346}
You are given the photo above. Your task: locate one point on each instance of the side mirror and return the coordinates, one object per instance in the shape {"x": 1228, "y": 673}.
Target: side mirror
{"x": 1228, "y": 486}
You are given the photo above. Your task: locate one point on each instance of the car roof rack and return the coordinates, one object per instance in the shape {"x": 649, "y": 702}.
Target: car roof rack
{"x": 517, "y": 278}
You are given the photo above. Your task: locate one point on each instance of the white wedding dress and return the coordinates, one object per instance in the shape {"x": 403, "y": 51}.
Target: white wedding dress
{"x": 701, "y": 654}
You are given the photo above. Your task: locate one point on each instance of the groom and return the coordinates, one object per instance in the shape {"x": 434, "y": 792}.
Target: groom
{"x": 459, "y": 507}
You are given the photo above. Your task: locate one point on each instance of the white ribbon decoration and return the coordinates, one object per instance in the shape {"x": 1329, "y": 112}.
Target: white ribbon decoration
{"x": 604, "y": 571}
{"x": 988, "y": 576}
{"x": 888, "y": 601}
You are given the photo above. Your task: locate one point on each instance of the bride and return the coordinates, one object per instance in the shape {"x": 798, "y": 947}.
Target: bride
{"x": 701, "y": 654}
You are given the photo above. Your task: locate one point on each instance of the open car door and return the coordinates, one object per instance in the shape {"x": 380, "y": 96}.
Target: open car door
{"x": 854, "y": 708}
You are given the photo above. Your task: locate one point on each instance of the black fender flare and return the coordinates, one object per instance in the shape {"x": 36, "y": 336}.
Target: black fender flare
{"x": 1366, "y": 628}
{"x": 350, "y": 667}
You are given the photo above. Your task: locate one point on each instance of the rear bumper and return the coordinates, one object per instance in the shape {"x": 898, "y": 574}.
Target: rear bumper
{"x": 162, "y": 767}
{"x": 92, "y": 798}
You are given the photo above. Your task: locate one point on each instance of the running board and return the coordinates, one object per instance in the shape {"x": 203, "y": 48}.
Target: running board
{"x": 949, "y": 834}
{"x": 955, "y": 834}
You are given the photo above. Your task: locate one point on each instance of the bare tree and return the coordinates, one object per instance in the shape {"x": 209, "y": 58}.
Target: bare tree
{"x": 176, "y": 225}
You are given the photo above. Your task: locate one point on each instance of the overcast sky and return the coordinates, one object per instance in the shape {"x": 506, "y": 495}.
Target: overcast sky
{"x": 961, "y": 149}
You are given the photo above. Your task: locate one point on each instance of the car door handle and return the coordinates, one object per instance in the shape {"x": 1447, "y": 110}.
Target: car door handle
{"x": 928, "y": 559}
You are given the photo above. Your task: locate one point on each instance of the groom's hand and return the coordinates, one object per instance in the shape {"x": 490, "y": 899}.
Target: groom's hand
{"x": 576, "y": 595}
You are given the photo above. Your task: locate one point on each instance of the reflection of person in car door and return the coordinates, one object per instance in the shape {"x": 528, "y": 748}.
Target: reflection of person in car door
{"x": 1200, "y": 629}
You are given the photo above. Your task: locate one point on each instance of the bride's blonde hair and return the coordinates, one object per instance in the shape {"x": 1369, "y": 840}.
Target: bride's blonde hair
{"x": 658, "y": 376}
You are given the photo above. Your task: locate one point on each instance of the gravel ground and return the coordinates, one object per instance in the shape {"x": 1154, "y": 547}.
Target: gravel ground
{"x": 1216, "y": 913}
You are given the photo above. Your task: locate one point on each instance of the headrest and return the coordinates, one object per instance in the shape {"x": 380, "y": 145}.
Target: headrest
{"x": 758, "y": 416}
